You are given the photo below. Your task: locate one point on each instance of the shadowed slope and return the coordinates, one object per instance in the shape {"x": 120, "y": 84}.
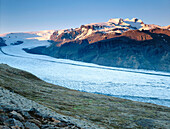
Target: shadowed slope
{"x": 133, "y": 49}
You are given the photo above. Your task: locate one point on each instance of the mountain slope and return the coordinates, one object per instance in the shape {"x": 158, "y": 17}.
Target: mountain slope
{"x": 147, "y": 49}
{"x": 118, "y": 42}
{"x": 109, "y": 112}
{"x": 99, "y": 31}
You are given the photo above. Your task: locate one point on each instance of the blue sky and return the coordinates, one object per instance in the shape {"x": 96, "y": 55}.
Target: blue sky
{"x": 35, "y": 15}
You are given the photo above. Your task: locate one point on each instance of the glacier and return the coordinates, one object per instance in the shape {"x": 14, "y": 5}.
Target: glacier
{"x": 138, "y": 85}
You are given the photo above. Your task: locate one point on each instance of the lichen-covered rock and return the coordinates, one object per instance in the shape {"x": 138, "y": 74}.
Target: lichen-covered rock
{"x": 3, "y": 118}
{"x": 31, "y": 119}
{"x": 35, "y": 121}
{"x": 13, "y": 123}
{"x": 30, "y": 125}
{"x": 17, "y": 115}
{"x": 4, "y": 127}
{"x": 26, "y": 114}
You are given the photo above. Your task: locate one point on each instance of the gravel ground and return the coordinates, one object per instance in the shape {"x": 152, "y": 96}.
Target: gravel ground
{"x": 8, "y": 98}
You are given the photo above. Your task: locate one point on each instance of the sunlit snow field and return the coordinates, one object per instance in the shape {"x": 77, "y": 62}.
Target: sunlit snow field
{"x": 138, "y": 85}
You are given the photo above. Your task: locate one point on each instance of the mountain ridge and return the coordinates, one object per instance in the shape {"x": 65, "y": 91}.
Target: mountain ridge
{"x": 147, "y": 49}
{"x": 115, "y": 26}
{"x": 118, "y": 42}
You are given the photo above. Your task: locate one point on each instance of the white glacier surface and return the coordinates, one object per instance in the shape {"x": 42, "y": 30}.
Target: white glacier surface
{"x": 138, "y": 85}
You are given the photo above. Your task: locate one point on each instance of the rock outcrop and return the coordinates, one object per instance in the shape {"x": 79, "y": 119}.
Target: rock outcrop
{"x": 32, "y": 119}
{"x": 2, "y": 42}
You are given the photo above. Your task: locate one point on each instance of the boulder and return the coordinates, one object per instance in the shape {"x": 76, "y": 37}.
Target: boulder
{"x": 30, "y": 125}
{"x": 13, "y": 123}
{"x": 3, "y": 118}
{"x": 17, "y": 115}
{"x": 37, "y": 122}
{"x": 4, "y": 127}
{"x": 55, "y": 120}
{"x": 26, "y": 115}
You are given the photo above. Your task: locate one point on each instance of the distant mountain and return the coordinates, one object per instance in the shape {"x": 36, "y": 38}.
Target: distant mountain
{"x": 100, "y": 31}
{"x": 118, "y": 42}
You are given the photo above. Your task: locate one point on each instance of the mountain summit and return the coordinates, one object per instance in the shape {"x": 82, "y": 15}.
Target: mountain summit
{"x": 115, "y": 26}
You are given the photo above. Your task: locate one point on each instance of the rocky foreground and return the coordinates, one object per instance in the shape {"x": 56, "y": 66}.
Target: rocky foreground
{"x": 17, "y": 112}
{"x": 19, "y": 119}
{"x": 28, "y": 102}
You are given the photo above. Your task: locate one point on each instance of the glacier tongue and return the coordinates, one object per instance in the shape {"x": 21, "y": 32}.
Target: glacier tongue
{"x": 138, "y": 85}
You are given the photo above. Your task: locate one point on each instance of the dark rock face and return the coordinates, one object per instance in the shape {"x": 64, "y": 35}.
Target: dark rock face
{"x": 133, "y": 49}
{"x": 69, "y": 36}
{"x": 124, "y": 52}
{"x": 17, "y": 43}
{"x": 2, "y": 42}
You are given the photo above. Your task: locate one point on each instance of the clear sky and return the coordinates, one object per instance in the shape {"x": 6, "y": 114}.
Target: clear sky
{"x": 35, "y": 15}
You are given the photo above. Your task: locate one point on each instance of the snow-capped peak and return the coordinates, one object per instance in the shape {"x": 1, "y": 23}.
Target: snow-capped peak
{"x": 133, "y": 20}
{"x": 113, "y": 26}
{"x": 116, "y": 20}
